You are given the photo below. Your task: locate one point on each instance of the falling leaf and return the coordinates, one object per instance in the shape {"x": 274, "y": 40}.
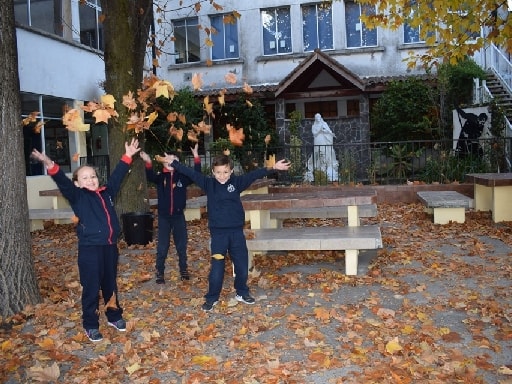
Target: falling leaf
{"x": 152, "y": 117}
{"x": 249, "y": 104}
{"x": 108, "y": 101}
{"x": 208, "y": 107}
{"x": 197, "y": 81}
{"x": 271, "y": 161}
{"x": 236, "y": 136}
{"x": 221, "y": 99}
{"x": 192, "y": 136}
{"x": 76, "y": 157}
{"x": 267, "y": 139}
{"x": 247, "y": 88}
{"x": 129, "y": 102}
{"x": 112, "y": 303}
{"x": 101, "y": 116}
{"x": 31, "y": 118}
{"x": 172, "y": 117}
{"x": 230, "y": 78}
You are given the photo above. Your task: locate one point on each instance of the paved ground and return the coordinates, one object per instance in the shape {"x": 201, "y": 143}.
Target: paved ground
{"x": 433, "y": 306}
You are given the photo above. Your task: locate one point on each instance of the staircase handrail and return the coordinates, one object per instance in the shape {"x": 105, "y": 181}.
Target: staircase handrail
{"x": 502, "y": 67}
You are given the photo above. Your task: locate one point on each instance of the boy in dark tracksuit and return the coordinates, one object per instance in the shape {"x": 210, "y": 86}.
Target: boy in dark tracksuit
{"x": 97, "y": 230}
{"x": 172, "y": 198}
{"x": 226, "y": 219}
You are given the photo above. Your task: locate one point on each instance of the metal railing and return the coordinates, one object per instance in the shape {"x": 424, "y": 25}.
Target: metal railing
{"x": 386, "y": 162}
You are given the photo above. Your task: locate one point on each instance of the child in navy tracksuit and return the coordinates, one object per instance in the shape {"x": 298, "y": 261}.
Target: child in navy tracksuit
{"x": 97, "y": 230}
{"x": 172, "y": 198}
{"x": 226, "y": 219}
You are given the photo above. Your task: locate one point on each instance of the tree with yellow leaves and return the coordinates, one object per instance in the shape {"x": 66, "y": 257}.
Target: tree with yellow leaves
{"x": 451, "y": 29}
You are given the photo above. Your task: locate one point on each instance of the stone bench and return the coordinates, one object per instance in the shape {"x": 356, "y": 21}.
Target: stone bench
{"x": 446, "y": 206}
{"x": 341, "y": 211}
{"x": 195, "y": 206}
{"x": 38, "y": 216}
{"x": 350, "y": 239}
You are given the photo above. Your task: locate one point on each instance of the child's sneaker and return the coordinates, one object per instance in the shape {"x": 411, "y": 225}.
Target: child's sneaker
{"x": 94, "y": 335}
{"x": 184, "y": 275}
{"x": 160, "y": 278}
{"x": 208, "y": 306}
{"x": 245, "y": 299}
{"x": 120, "y": 325}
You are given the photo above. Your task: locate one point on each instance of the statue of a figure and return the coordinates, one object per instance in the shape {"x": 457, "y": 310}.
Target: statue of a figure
{"x": 324, "y": 156}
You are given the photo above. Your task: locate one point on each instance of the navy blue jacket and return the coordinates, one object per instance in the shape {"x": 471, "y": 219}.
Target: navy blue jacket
{"x": 171, "y": 188}
{"x": 97, "y": 218}
{"x": 224, "y": 206}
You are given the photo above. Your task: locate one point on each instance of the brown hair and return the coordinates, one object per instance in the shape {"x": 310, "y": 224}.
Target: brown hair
{"x": 75, "y": 172}
{"x": 221, "y": 160}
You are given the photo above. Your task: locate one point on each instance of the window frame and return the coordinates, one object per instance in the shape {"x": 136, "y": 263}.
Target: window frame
{"x": 319, "y": 27}
{"x": 364, "y": 33}
{"x": 187, "y": 24}
{"x": 223, "y": 37}
{"x": 280, "y": 44}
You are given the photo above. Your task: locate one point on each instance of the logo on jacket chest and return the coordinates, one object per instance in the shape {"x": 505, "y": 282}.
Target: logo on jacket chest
{"x": 231, "y": 188}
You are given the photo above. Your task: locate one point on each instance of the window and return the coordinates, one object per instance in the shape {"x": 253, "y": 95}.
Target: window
{"x": 91, "y": 30}
{"x": 353, "y": 107}
{"x": 53, "y": 138}
{"x": 224, "y": 35}
{"x": 317, "y": 27}
{"x": 41, "y": 14}
{"x": 186, "y": 40}
{"x": 357, "y": 33}
{"x": 277, "y": 31}
{"x": 412, "y": 34}
{"x": 325, "y": 108}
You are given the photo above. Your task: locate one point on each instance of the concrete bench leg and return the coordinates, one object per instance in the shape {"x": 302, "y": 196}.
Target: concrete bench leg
{"x": 192, "y": 214}
{"x": 445, "y": 215}
{"x": 351, "y": 262}
{"x": 36, "y": 224}
{"x": 501, "y": 207}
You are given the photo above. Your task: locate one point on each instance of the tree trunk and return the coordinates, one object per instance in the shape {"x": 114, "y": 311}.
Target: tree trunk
{"x": 126, "y": 30}
{"x": 18, "y": 283}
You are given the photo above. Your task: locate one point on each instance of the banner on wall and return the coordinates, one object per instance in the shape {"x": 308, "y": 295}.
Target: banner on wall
{"x": 470, "y": 125}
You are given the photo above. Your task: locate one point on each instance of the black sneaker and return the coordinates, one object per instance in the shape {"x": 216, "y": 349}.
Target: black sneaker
{"x": 94, "y": 335}
{"x": 208, "y": 306}
{"x": 120, "y": 325}
{"x": 184, "y": 275}
{"x": 160, "y": 278}
{"x": 245, "y": 299}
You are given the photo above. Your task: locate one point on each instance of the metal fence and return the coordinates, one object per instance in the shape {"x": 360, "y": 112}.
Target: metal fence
{"x": 441, "y": 161}
{"x": 430, "y": 161}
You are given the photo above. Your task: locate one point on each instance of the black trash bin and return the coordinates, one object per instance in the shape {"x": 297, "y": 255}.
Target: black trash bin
{"x": 137, "y": 227}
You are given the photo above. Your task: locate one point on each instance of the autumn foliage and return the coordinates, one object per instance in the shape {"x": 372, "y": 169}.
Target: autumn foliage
{"x": 434, "y": 306}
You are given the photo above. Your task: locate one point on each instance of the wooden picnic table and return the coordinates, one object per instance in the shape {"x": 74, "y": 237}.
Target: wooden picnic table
{"x": 258, "y": 206}
{"x": 493, "y": 192}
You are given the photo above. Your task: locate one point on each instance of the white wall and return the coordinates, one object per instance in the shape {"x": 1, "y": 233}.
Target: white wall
{"x": 49, "y": 65}
{"x": 252, "y": 67}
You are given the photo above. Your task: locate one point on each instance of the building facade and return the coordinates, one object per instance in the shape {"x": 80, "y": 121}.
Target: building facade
{"x": 60, "y": 66}
{"x": 310, "y": 57}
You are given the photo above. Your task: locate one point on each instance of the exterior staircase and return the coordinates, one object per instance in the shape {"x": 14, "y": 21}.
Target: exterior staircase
{"x": 500, "y": 93}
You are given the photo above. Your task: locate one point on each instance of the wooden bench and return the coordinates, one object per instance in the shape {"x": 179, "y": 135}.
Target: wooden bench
{"x": 446, "y": 206}
{"x": 38, "y": 216}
